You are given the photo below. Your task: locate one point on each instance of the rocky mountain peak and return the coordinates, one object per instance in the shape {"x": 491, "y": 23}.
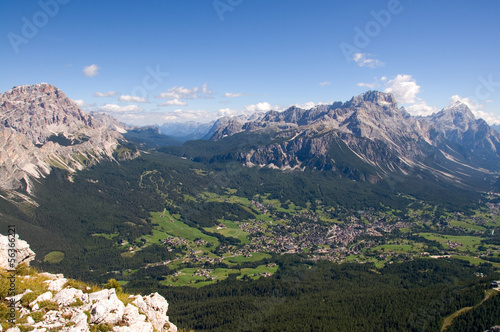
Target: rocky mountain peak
{"x": 378, "y": 132}
{"x": 456, "y": 115}
{"x": 42, "y": 128}
{"x": 40, "y": 111}
{"x": 373, "y": 96}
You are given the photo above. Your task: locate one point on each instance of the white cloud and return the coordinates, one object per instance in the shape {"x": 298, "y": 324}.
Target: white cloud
{"x": 132, "y": 99}
{"x": 476, "y": 109}
{"x": 226, "y": 112}
{"x": 368, "y": 85}
{"x": 80, "y": 102}
{"x": 467, "y": 101}
{"x": 306, "y": 106}
{"x": 113, "y": 108}
{"x": 234, "y": 95}
{"x": 421, "y": 109}
{"x": 325, "y": 83}
{"x": 180, "y": 92}
{"x": 260, "y": 107}
{"x": 363, "y": 60}
{"x": 490, "y": 118}
{"x": 173, "y": 102}
{"x": 105, "y": 94}
{"x": 91, "y": 71}
{"x": 404, "y": 88}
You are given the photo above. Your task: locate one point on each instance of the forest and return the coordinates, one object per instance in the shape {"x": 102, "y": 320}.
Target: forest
{"x": 323, "y": 296}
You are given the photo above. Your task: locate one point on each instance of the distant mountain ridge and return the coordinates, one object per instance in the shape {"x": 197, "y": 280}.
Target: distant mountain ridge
{"x": 367, "y": 138}
{"x": 41, "y": 128}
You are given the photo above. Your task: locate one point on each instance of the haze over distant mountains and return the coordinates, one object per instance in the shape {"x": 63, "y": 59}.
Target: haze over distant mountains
{"x": 366, "y": 138}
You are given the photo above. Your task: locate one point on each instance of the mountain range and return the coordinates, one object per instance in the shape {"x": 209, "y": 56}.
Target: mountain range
{"x": 366, "y": 138}
{"x": 274, "y": 208}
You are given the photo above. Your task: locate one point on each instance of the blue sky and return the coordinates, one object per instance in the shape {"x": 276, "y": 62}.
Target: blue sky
{"x": 161, "y": 61}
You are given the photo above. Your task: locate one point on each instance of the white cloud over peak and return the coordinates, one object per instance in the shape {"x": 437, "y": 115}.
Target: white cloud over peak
{"x": 113, "y": 108}
{"x": 80, "y": 103}
{"x": 105, "y": 94}
{"x": 421, "y": 108}
{"x": 467, "y": 101}
{"x": 325, "y": 83}
{"x": 132, "y": 99}
{"x": 307, "y": 105}
{"x": 364, "y": 60}
{"x": 91, "y": 71}
{"x": 404, "y": 88}
{"x": 260, "y": 107}
{"x": 180, "y": 92}
{"x": 476, "y": 109}
{"x": 173, "y": 102}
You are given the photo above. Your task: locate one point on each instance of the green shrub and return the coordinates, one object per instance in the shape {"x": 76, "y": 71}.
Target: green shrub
{"x": 48, "y": 305}
{"x": 112, "y": 283}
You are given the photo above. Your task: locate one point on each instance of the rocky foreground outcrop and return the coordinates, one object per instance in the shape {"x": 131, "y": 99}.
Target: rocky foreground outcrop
{"x": 49, "y": 302}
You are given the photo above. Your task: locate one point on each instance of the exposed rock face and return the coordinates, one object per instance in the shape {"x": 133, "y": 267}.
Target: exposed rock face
{"x": 22, "y": 249}
{"x": 41, "y": 128}
{"x": 155, "y": 307}
{"x": 80, "y": 309}
{"x": 369, "y": 131}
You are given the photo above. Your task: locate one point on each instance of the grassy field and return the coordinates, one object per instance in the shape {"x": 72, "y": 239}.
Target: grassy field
{"x": 362, "y": 258}
{"x": 258, "y": 256}
{"x": 475, "y": 260}
{"x": 231, "y": 229}
{"x": 54, "y": 257}
{"x": 467, "y": 225}
{"x": 187, "y": 277}
{"x": 169, "y": 226}
{"x": 468, "y": 242}
{"x": 107, "y": 236}
{"x": 396, "y": 248}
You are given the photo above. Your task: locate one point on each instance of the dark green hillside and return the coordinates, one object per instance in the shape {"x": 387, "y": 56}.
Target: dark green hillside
{"x": 94, "y": 218}
{"x": 322, "y": 296}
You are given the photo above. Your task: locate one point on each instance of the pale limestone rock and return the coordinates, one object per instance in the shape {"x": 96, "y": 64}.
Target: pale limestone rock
{"x": 80, "y": 320}
{"x": 137, "y": 327}
{"x": 43, "y": 297}
{"x": 18, "y": 297}
{"x": 52, "y": 319}
{"x": 67, "y": 296}
{"x": 13, "y": 329}
{"x": 107, "y": 307}
{"x": 56, "y": 285}
{"x": 23, "y": 252}
{"x": 134, "y": 320}
{"x": 104, "y": 294}
{"x": 131, "y": 315}
{"x": 51, "y": 276}
{"x": 155, "y": 307}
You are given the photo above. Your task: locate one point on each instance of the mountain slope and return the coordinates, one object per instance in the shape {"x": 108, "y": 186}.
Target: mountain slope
{"x": 41, "y": 128}
{"x": 368, "y": 138}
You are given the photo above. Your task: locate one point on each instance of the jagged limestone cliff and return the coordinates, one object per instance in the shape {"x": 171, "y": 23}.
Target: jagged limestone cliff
{"x": 41, "y": 128}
